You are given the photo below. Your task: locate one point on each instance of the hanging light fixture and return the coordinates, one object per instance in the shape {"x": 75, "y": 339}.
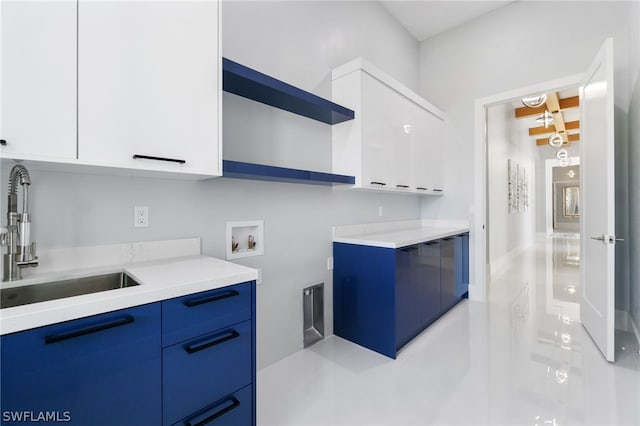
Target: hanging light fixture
{"x": 534, "y": 101}
{"x": 546, "y": 119}
{"x": 556, "y": 140}
{"x": 562, "y": 154}
{"x": 571, "y": 174}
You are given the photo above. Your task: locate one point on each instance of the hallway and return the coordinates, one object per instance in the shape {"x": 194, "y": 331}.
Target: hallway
{"x": 523, "y": 358}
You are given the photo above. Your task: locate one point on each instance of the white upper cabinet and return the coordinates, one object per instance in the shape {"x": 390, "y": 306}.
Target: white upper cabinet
{"x": 149, "y": 83}
{"x": 38, "y": 85}
{"x": 377, "y": 141}
{"x": 428, "y": 166}
{"x": 394, "y": 142}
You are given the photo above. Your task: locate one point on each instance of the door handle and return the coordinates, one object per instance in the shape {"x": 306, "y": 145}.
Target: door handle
{"x": 610, "y": 239}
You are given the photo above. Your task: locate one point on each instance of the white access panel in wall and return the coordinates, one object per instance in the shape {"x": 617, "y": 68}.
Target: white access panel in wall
{"x": 244, "y": 239}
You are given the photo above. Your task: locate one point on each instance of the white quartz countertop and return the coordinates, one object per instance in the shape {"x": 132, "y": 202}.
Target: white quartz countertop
{"x": 401, "y": 237}
{"x": 159, "y": 280}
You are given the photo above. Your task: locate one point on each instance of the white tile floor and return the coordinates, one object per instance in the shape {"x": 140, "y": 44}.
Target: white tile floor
{"x": 521, "y": 359}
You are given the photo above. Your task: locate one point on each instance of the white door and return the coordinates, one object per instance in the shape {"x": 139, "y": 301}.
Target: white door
{"x": 597, "y": 224}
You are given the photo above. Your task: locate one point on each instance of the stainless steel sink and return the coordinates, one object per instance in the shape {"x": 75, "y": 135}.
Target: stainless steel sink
{"x": 35, "y": 293}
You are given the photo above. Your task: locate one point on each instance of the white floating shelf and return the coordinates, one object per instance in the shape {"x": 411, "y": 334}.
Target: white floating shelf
{"x": 245, "y": 239}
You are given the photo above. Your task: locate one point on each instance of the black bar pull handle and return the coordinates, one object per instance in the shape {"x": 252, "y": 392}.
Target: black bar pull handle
{"x": 437, "y": 190}
{"x": 231, "y": 334}
{"x": 220, "y": 412}
{"x": 402, "y": 186}
{"x": 3, "y": 142}
{"x": 54, "y": 338}
{"x": 410, "y": 249}
{"x": 447, "y": 239}
{"x": 378, "y": 183}
{"x": 195, "y": 302}
{"x": 431, "y": 243}
{"x": 149, "y": 157}
{"x": 421, "y": 188}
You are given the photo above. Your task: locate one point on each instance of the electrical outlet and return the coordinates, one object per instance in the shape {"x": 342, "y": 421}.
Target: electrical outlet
{"x": 140, "y": 216}
{"x": 330, "y": 263}
{"x": 380, "y": 211}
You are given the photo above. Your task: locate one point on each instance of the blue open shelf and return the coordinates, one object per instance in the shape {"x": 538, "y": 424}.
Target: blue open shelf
{"x": 249, "y": 83}
{"x": 242, "y": 170}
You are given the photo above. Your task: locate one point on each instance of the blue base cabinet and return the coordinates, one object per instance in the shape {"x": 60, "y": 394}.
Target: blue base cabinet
{"x": 101, "y": 370}
{"x": 209, "y": 356}
{"x": 385, "y": 297}
{"x": 188, "y": 360}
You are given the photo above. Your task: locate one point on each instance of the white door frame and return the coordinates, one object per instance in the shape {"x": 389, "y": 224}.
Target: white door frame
{"x": 479, "y": 224}
{"x": 548, "y": 190}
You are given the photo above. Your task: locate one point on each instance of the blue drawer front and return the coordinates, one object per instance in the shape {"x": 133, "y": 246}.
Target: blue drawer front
{"x": 190, "y": 316}
{"x": 101, "y": 370}
{"x": 233, "y": 410}
{"x": 203, "y": 370}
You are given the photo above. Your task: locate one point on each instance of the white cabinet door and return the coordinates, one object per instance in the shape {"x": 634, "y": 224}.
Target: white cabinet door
{"x": 38, "y": 86}
{"x": 377, "y": 130}
{"x": 149, "y": 85}
{"x": 402, "y": 131}
{"x": 428, "y": 152}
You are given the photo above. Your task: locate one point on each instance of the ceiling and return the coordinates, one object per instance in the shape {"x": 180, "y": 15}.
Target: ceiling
{"x": 426, "y": 18}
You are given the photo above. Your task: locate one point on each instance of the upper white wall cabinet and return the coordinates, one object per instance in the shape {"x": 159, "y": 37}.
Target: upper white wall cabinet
{"x": 38, "y": 85}
{"x": 149, "y": 83}
{"x": 393, "y": 142}
{"x": 127, "y": 85}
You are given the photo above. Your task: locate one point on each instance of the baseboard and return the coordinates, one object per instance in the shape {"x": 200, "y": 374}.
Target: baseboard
{"x": 500, "y": 265}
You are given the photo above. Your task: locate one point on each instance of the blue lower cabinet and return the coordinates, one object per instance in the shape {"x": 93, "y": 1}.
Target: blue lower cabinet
{"x": 429, "y": 273}
{"x": 364, "y": 296}
{"x": 101, "y": 370}
{"x": 232, "y": 410}
{"x": 465, "y": 261}
{"x": 200, "y": 313}
{"x": 205, "y": 369}
{"x": 383, "y": 298}
{"x": 409, "y": 295}
{"x": 111, "y": 369}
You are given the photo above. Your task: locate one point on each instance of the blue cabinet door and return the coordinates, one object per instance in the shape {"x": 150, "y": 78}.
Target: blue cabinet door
{"x": 235, "y": 409}
{"x": 364, "y": 296}
{"x": 430, "y": 281}
{"x": 461, "y": 282}
{"x": 409, "y": 297}
{"x": 100, "y": 370}
{"x": 203, "y": 370}
{"x": 447, "y": 274}
{"x": 465, "y": 258}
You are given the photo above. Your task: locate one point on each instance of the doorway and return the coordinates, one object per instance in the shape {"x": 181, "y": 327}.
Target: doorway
{"x": 480, "y": 242}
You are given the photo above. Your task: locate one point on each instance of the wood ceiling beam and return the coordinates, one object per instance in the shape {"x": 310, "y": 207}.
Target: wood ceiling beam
{"x": 566, "y": 103}
{"x": 553, "y": 105}
{"x": 570, "y": 138}
{"x": 569, "y": 125}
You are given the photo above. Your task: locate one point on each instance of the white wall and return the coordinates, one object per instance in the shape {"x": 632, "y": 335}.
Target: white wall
{"x": 508, "y": 232}
{"x": 634, "y": 162}
{"x": 298, "y": 42}
{"x": 504, "y": 50}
